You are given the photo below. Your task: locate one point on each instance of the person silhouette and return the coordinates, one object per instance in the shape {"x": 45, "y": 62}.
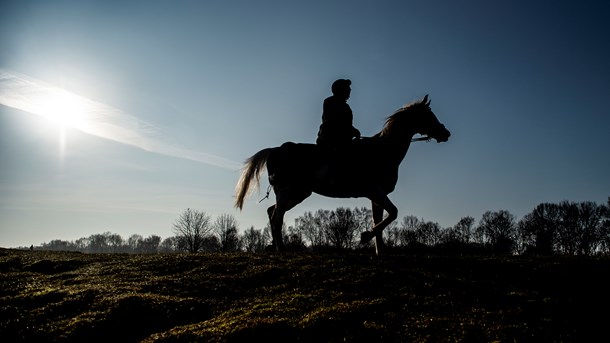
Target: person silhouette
{"x": 337, "y": 130}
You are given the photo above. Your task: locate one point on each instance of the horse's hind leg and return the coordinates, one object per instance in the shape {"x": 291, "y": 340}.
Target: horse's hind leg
{"x": 274, "y": 238}
{"x": 285, "y": 200}
{"x": 270, "y": 211}
{"x": 276, "y": 221}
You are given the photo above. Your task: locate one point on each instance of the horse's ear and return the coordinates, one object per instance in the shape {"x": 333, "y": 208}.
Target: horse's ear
{"x": 425, "y": 100}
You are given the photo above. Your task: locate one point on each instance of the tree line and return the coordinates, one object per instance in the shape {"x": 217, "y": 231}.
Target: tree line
{"x": 567, "y": 228}
{"x": 194, "y": 232}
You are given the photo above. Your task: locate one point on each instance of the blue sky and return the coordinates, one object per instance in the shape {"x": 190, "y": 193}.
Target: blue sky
{"x": 166, "y": 99}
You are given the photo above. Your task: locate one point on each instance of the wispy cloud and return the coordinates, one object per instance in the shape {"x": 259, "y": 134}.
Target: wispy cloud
{"x": 38, "y": 97}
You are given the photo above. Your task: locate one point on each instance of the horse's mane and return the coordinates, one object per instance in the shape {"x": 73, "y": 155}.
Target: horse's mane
{"x": 400, "y": 113}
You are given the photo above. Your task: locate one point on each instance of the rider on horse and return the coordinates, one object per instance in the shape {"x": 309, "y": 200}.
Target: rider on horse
{"x": 337, "y": 130}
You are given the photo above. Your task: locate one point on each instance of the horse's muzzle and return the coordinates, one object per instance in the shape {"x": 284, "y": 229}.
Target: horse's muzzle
{"x": 441, "y": 134}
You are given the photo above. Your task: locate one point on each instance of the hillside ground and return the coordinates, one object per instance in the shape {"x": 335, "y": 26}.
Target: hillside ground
{"x": 341, "y": 297}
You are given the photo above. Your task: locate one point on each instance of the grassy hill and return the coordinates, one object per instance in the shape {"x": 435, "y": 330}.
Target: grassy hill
{"x": 60, "y": 296}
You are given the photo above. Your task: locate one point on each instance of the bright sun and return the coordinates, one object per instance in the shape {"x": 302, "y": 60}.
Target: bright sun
{"x": 63, "y": 108}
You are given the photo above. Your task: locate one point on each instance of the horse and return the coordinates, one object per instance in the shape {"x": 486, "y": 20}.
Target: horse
{"x": 366, "y": 168}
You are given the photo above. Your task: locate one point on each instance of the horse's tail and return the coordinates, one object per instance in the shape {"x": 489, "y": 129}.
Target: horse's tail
{"x": 253, "y": 169}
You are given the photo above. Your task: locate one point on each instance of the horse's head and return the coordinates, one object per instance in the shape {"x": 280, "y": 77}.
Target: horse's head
{"x": 426, "y": 123}
{"x": 416, "y": 118}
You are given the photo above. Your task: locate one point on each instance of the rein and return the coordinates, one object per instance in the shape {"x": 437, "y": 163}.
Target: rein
{"x": 266, "y": 196}
{"x": 421, "y": 139}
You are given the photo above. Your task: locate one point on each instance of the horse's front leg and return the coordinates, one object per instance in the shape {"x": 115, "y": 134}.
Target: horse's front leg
{"x": 381, "y": 202}
{"x": 377, "y": 219}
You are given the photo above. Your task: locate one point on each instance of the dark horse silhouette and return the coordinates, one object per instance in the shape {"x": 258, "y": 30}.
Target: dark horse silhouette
{"x": 368, "y": 168}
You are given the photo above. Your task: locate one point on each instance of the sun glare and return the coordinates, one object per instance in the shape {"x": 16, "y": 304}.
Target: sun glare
{"x": 64, "y": 109}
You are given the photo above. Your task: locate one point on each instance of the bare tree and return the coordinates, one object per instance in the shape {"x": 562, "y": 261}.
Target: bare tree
{"x": 407, "y": 231}
{"x": 567, "y": 230}
{"x": 293, "y": 239}
{"x": 133, "y": 242}
{"x": 499, "y": 230}
{"x": 605, "y": 228}
{"x": 364, "y": 218}
{"x": 537, "y": 230}
{"x": 568, "y": 227}
{"x": 192, "y": 227}
{"x": 428, "y": 233}
{"x": 459, "y": 234}
{"x": 58, "y": 245}
{"x": 392, "y": 236}
{"x": 253, "y": 240}
{"x": 410, "y": 222}
{"x": 150, "y": 244}
{"x": 82, "y": 244}
{"x": 169, "y": 245}
{"x": 98, "y": 243}
{"x": 225, "y": 228}
{"x": 311, "y": 227}
{"x": 211, "y": 244}
{"x": 342, "y": 228}
{"x": 589, "y": 227}
{"x": 114, "y": 241}
{"x": 464, "y": 229}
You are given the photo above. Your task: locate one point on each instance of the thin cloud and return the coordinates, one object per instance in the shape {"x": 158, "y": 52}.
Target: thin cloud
{"x": 33, "y": 96}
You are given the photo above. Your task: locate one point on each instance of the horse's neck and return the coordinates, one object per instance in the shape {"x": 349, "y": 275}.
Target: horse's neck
{"x": 399, "y": 146}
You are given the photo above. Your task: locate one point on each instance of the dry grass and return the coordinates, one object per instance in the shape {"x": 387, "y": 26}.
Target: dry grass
{"x": 54, "y": 296}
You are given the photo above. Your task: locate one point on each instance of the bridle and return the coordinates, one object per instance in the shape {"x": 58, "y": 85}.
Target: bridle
{"x": 422, "y": 139}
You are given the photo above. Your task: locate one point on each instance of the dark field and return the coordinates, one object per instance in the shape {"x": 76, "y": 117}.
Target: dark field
{"x": 52, "y": 296}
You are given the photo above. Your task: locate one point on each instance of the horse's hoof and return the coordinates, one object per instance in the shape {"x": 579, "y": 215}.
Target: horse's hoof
{"x": 366, "y": 236}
